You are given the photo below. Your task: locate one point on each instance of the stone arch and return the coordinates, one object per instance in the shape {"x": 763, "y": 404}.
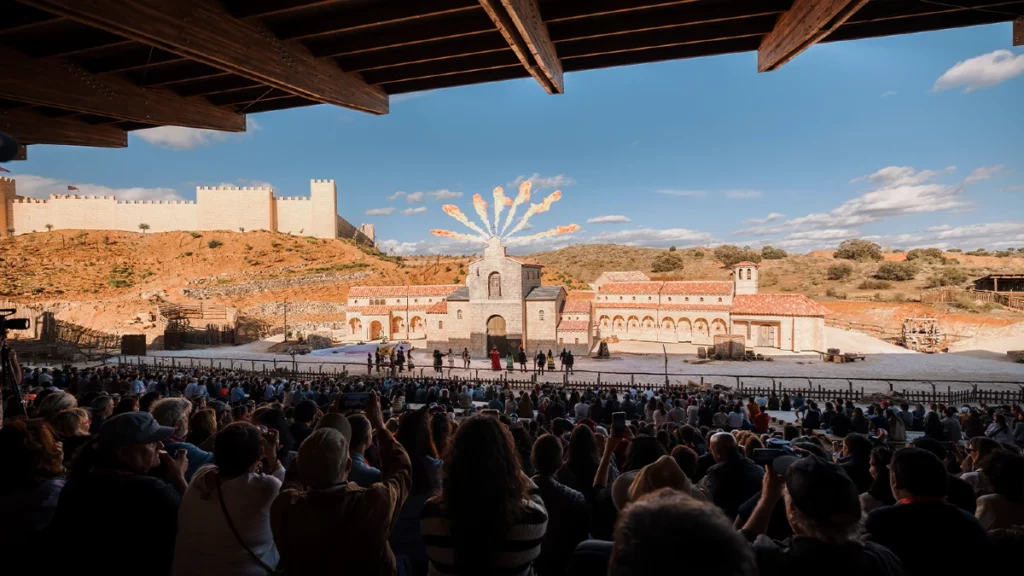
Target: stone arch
{"x": 619, "y": 323}
{"x": 376, "y": 330}
{"x": 416, "y": 324}
{"x": 684, "y": 330}
{"x": 647, "y": 323}
{"x": 718, "y": 327}
{"x": 496, "y": 334}
{"x": 397, "y": 326}
{"x": 632, "y": 323}
{"x": 458, "y": 314}
{"x": 701, "y": 330}
{"x": 668, "y": 325}
{"x": 605, "y": 321}
{"x": 494, "y": 285}
{"x": 355, "y": 327}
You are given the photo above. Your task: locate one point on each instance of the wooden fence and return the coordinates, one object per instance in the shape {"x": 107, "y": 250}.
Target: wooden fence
{"x": 819, "y": 388}
{"x": 872, "y": 329}
{"x": 945, "y": 295}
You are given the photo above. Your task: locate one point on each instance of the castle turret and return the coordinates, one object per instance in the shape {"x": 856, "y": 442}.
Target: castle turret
{"x": 7, "y": 193}
{"x": 745, "y": 276}
{"x": 324, "y": 196}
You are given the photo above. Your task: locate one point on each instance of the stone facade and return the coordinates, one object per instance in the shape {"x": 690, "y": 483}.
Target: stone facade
{"x": 215, "y": 208}
{"x": 503, "y": 304}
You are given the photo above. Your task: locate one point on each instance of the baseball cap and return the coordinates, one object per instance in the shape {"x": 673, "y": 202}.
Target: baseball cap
{"x": 322, "y": 458}
{"x": 132, "y": 428}
{"x": 821, "y": 491}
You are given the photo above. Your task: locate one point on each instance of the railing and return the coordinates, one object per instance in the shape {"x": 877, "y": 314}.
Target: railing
{"x": 819, "y": 388}
{"x": 945, "y": 295}
{"x": 872, "y": 329}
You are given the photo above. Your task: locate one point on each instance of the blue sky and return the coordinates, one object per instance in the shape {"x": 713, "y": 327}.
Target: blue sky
{"x": 912, "y": 140}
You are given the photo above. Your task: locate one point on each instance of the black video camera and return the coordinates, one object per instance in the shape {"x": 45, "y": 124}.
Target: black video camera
{"x": 11, "y": 323}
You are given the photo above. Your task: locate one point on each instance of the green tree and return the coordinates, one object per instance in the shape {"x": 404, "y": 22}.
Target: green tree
{"x": 143, "y": 227}
{"x": 671, "y": 248}
{"x": 839, "y": 271}
{"x": 859, "y": 250}
{"x": 49, "y": 227}
{"x": 214, "y": 243}
{"x": 896, "y": 271}
{"x": 729, "y": 255}
{"x": 666, "y": 262}
{"x": 769, "y": 253}
{"x": 946, "y": 277}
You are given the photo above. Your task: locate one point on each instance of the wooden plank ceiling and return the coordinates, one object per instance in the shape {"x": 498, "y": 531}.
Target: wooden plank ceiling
{"x": 122, "y": 65}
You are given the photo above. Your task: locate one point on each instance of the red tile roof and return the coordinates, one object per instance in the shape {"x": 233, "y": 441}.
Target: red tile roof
{"x": 579, "y": 295}
{"x": 697, "y": 287}
{"x": 697, "y": 307}
{"x": 439, "y": 308}
{"x": 626, "y": 276}
{"x": 776, "y": 305}
{"x": 746, "y": 263}
{"x": 631, "y": 287}
{"x": 656, "y": 306}
{"x": 524, "y": 262}
{"x": 574, "y": 326}
{"x": 376, "y": 310}
{"x": 576, "y": 307}
{"x": 637, "y": 305}
{"x": 401, "y": 291}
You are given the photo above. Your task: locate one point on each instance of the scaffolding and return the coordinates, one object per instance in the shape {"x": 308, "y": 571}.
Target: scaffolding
{"x": 922, "y": 335}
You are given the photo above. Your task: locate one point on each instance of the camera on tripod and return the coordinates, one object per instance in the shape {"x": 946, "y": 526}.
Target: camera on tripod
{"x": 7, "y": 323}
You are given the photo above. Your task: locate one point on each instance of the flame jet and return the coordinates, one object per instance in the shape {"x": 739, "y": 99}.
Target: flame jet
{"x": 453, "y": 211}
{"x": 544, "y": 206}
{"x": 500, "y": 201}
{"x": 523, "y": 196}
{"x": 456, "y": 235}
{"x": 558, "y": 231}
{"x": 480, "y": 205}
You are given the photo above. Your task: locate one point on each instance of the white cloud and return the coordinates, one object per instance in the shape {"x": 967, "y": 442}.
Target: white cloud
{"x": 982, "y": 71}
{"x": 742, "y": 194}
{"x": 611, "y": 219}
{"x": 687, "y": 193}
{"x": 42, "y": 186}
{"x": 179, "y": 138}
{"x": 397, "y": 98}
{"x": 380, "y": 211}
{"x": 417, "y": 210}
{"x": 1015, "y": 188}
{"x": 444, "y": 194}
{"x": 655, "y": 237}
{"x": 888, "y": 93}
{"x": 538, "y": 181}
{"x": 396, "y": 196}
{"x": 414, "y": 197}
{"x": 771, "y": 217}
{"x": 983, "y": 173}
{"x": 898, "y": 176}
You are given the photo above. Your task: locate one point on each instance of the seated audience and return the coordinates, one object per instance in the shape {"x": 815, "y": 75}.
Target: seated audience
{"x": 174, "y": 413}
{"x": 733, "y": 479}
{"x": 1004, "y": 507}
{"x": 568, "y": 512}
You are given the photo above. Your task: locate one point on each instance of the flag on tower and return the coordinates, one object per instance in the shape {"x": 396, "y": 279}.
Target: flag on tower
{"x": 72, "y": 187}
{"x": 2, "y": 169}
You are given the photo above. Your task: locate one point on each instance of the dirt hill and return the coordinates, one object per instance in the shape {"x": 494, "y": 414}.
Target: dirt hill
{"x": 104, "y": 279}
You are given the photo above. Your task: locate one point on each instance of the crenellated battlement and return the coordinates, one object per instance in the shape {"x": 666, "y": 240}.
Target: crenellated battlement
{"x": 293, "y": 198}
{"x": 318, "y": 181}
{"x": 25, "y": 200}
{"x": 235, "y": 188}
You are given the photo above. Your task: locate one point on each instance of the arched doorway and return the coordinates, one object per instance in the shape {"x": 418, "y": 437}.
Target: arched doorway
{"x": 397, "y": 327}
{"x": 496, "y": 336}
{"x": 718, "y": 327}
{"x": 416, "y": 325}
{"x": 700, "y": 331}
{"x": 684, "y": 330}
{"x": 375, "y": 330}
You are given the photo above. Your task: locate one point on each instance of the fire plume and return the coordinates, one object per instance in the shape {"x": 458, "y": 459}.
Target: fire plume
{"x": 453, "y": 211}
{"x": 455, "y": 235}
{"x": 557, "y": 231}
{"x": 544, "y": 206}
{"x": 500, "y": 201}
{"x": 480, "y": 205}
{"x": 523, "y": 196}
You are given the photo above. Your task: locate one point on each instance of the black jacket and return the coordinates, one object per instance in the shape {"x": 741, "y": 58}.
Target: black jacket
{"x": 932, "y": 537}
{"x": 568, "y": 524}
{"x": 732, "y": 481}
{"x": 799, "y": 553}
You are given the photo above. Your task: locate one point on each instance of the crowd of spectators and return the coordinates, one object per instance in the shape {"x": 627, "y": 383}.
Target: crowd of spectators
{"x": 209, "y": 471}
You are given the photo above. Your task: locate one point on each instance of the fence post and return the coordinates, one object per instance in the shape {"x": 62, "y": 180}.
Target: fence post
{"x": 890, "y": 386}
{"x": 632, "y": 381}
{"x": 598, "y": 378}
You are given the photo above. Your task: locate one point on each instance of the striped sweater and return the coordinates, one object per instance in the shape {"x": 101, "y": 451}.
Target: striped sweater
{"x": 515, "y": 555}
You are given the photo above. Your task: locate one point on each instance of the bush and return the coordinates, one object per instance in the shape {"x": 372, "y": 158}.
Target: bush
{"x": 897, "y": 271}
{"x": 897, "y": 250}
{"x": 947, "y": 277}
{"x": 214, "y": 244}
{"x": 730, "y": 255}
{"x": 769, "y": 253}
{"x": 195, "y": 234}
{"x": 839, "y": 271}
{"x": 933, "y": 253}
{"x": 667, "y": 262}
{"x": 698, "y": 254}
{"x": 874, "y": 285}
{"x": 954, "y": 250}
{"x": 833, "y": 293}
{"x": 671, "y": 248}
{"x": 859, "y": 250}
{"x": 978, "y": 252}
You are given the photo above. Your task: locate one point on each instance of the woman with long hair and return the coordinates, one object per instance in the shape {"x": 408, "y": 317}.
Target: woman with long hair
{"x": 72, "y": 429}
{"x": 1004, "y": 507}
{"x": 224, "y": 519}
{"x": 441, "y": 432}
{"x": 933, "y": 427}
{"x": 897, "y": 427}
{"x": 31, "y": 483}
{"x": 880, "y": 492}
{"x": 488, "y": 518}
{"x": 524, "y": 447}
{"x": 979, "y": 450}
{"x": 202, "y": 426}
{"x": 406, "y": 539}
{"x": 581, "y": 461}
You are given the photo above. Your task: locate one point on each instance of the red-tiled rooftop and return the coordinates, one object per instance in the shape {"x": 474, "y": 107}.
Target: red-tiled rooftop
{"x": 746, "y": 263}
{"x": 441, "y": 290}
{"x": 573, "y": 326}
{"x": 576, "y": 307}
{"x": 631, "y": 288}
{"x": 626, "y": 276}
{"x": 375, "y": 310}
{"x": 439, "y": 308}
{"x": 580, "y": 295}
{"x": 697, "y": 287}
{"x": 776, "y": 305}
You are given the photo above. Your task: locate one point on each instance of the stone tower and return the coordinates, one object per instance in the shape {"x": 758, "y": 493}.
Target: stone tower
{"x": 7, "y": 193}
{"x": 324, "y": 196}
{"x": 745, "y": 276}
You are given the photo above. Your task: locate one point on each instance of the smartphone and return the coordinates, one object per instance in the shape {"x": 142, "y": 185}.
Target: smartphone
{"x": 490, "y": 412}
{"x": 765, "y": 456}
{"x": 355, "y": 400}
{"x": 619, "y": 423}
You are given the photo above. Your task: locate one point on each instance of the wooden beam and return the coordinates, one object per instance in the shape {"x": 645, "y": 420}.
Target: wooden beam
{"x": 520, "y": 24}
{"x": 802, "y": 26}
{"x": 1018, "y": 31}
{"x": 29, "y": 128}
{"x": 205, "y": 32}
{"x": 22, "y": 153}
{"x": 68, "y": 86}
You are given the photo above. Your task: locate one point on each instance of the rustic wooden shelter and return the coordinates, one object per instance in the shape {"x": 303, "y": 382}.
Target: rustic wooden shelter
{"x": 1000, "y": 283}
{"x": 85, "y": 73}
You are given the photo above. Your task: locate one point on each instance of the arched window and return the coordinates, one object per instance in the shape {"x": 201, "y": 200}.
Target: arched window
{"x": 634, "y": 298}
{"x": 739, "y": 274}
{"x": 416, "y": 301}
{"x": 719, "y": 298}
{"x": 701, "y": 298}
{"x": 620, "y": 298}
{"x": 458, "y": 314}
{"x": 494, "y": 285}
{"x": 540, "y": 314}
{"x": 687, "y": 299}
{"x": 669, "y": 298}
{"x": 648, "y": 298}
{"x": 748, "y": 273}
{"x": 440, "y": 325}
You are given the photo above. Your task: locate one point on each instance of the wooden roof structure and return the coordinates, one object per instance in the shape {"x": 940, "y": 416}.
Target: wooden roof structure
{"x": 84, "y": 73}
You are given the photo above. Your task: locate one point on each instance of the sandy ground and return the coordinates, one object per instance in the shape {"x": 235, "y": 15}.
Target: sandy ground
{"x": 883, "y": 361}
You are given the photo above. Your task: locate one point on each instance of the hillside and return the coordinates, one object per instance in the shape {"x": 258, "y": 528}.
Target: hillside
{"x": 104, "y": 279}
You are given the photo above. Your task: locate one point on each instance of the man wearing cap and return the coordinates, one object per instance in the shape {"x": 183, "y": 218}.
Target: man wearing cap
{"x": 823, "y": 509}
{"x": 323, "y": 524}
{"x": 111, "y": 486}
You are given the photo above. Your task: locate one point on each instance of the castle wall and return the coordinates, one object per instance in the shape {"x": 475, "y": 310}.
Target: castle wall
{"x": 6, "y": 197}
{"x": 234, "y": 208}
{"x": 161, "y": 217}
{"x": 294, "y": 215}
{"x": 324, "y": 196}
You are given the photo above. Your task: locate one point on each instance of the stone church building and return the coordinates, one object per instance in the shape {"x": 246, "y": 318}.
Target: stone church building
{"x": 503, "y": 304}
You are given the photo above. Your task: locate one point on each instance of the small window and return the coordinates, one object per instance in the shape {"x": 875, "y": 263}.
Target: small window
{"x": 634, "y": 298}
{"x": 748, "y": 273}
{"x": 739, "y": 274}
{"x": 440, "y": 325}
{"x": 648, "y": 298}
{"x": 701, "y": 298}
{"x": 430, "y": 300}
{"x": 719, "y": 298}
{"x": 669, "y": 298}
{"x": 561, "y": 340}
{"x": 540, "y": 314}
{"x": 577, "y": 340}
{"x": 620, "y": 298}
{"x": 416, "y": 301}
{"x": 458, "y": 314}
{"x": 687, "y": 299}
